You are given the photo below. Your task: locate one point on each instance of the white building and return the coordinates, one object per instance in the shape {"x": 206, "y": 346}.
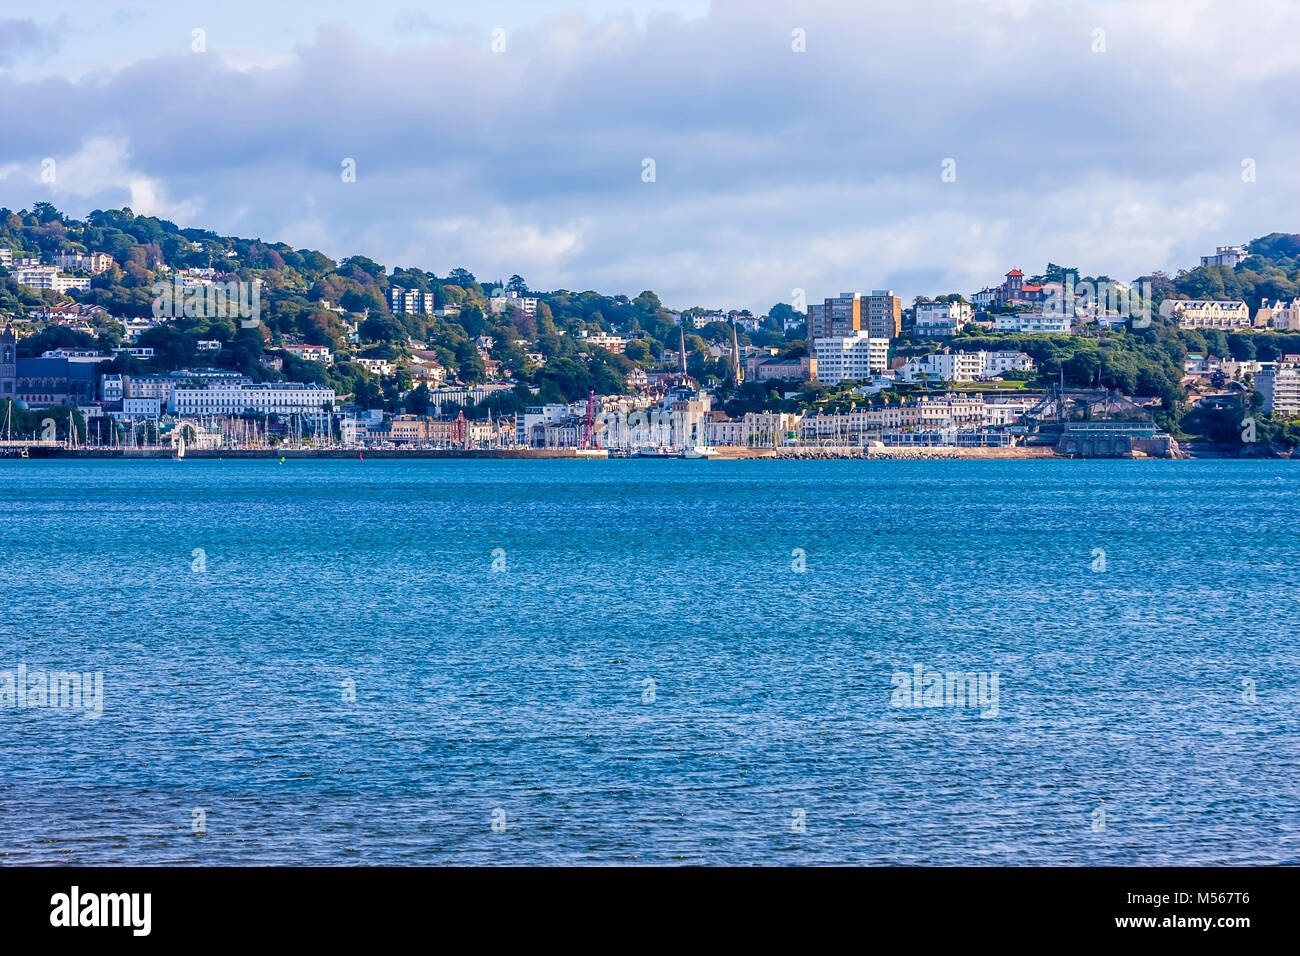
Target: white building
{"x": 949, "y": 366}
{"x": 111, "y": 388}
{"x": 88, "y": 262}
{"x": 380, "y": 367}
{"x": 850, "y": 357}
{"x": 755, "y": 428}
{"x": 533, "y": 422}
{"x": 1227, "y": 256}
{"x": 941, "y": 319}
{"x": 1033, "y": 322}
{"x": 311, "y": 353}
{"x": 1280, "y": 387}
{"x": 267, "y": 398}
{"x": 1279, "y": 314}
{"x": 945, "y": 366}
{"x": 161, "y": 386}
{"x": 614, "y": 343}
{"x": 141, "y": 407}
{"x": 700, "y": 319}
{"x": 49, "y": 277}
{"x": 995, "y": 363}
{"x": 1212, "y": 314}
{"x": 411, "y": 301}
{"x": 467, "y": 396}
{"x": 527, "y": 303}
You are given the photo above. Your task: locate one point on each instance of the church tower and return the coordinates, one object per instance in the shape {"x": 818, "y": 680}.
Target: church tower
{"x": 8, "y": 363}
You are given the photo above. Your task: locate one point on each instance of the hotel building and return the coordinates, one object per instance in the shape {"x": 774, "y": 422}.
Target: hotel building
{"x": 1212, "y": 314}
{"x": 850, "y": 357}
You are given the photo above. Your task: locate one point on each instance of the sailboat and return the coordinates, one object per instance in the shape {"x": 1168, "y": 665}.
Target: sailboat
{"x": 180, "y": 447}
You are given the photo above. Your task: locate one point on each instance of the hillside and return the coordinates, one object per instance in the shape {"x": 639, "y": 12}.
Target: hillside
{"x": 307, "y": 298}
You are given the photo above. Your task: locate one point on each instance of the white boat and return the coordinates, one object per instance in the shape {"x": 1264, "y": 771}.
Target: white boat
{"x": 591, "y": 453}
{"x": 699, "y": 451}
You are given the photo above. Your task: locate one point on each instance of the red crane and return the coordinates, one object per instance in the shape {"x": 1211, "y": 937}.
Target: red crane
{"x": 591, "y": 419}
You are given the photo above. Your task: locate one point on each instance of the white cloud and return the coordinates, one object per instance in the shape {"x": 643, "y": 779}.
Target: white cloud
{"x": 102, "y": 168}
{"x": 775, "y": 170}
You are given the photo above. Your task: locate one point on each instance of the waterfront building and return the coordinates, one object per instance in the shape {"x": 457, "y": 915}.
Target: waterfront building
{"x": 929, "y": 413}
{"x": 267, "y": 398}
{"x": 1280, "y": 386}
{"x": 533, "y": 422}
{"x": 161, "y": 386}
{"x": 755, "y": 428}
{"x": 850, "y": 357}
{"x": 851, "y": 427}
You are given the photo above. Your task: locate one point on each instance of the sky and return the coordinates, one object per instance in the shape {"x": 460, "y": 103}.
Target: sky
{"x": 728, "y": 154}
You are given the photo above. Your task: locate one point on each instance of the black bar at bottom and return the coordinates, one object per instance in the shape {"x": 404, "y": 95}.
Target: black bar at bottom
{"x": 944, "y": 906}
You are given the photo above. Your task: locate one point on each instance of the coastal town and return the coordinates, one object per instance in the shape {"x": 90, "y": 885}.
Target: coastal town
{"x": 125, "y": 352}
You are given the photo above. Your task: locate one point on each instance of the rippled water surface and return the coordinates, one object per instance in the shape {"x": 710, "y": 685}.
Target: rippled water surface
{"x": 647, "y": 678}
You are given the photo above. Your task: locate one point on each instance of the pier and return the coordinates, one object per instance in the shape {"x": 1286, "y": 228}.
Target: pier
{"x": 31, "y": 448}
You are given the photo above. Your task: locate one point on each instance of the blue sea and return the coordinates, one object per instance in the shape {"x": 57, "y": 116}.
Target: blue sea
{"x": 652, "y": 662}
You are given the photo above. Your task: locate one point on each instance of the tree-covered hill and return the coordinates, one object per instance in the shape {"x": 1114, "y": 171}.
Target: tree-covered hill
{"x": 308, "y": 298}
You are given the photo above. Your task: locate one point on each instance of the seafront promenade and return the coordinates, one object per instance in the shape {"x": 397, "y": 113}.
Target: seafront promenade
{"x": 724, "y": 453}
